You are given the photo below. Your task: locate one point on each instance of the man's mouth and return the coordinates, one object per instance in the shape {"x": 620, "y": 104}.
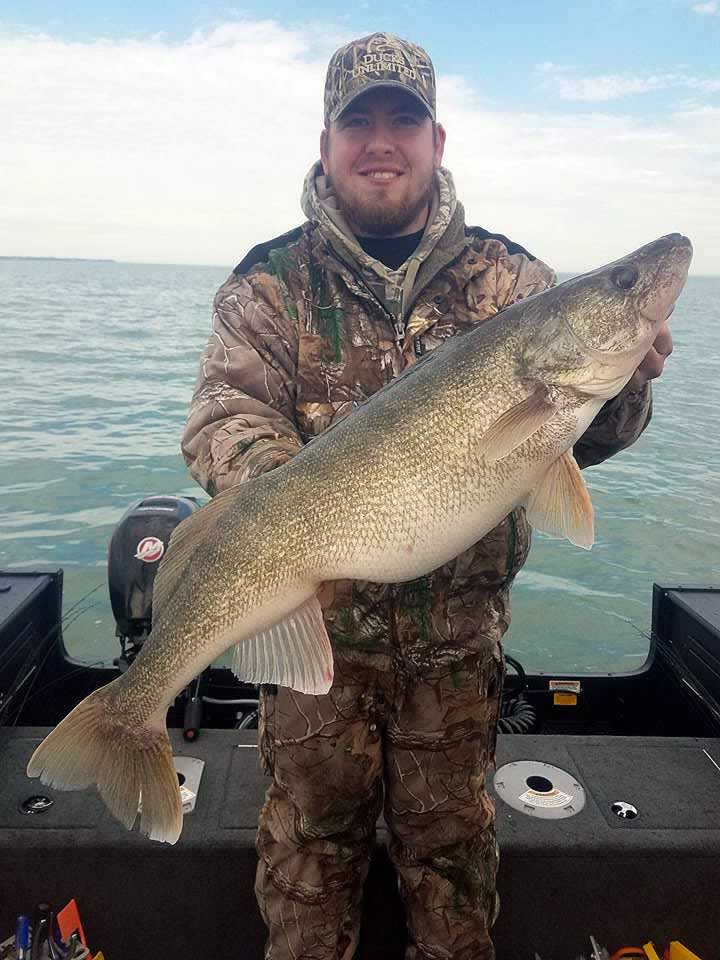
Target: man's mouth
{"x": 383, "y": 176}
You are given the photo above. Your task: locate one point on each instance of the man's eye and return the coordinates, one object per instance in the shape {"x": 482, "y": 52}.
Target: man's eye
{"x": 354, "y": 122}
{"x": 407, "y": 120}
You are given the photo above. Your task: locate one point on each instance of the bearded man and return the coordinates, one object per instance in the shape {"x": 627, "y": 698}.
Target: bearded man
{"x": 308, "y": 326}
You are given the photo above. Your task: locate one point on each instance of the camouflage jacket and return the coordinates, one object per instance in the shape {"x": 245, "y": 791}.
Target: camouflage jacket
{"x": 308, "y": 326}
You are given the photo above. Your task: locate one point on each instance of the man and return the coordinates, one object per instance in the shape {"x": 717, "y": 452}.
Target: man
{"x": 307, "y": 326}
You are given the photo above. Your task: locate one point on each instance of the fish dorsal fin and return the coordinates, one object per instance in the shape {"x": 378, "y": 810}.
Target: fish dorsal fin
{"x": 183, "y": 543}
{"x": 295, "y": 652}
{"x": 518, "y": 423}
{"x": 560, "y": 505}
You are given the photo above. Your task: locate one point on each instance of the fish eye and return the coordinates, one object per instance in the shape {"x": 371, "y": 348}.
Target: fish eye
{"x": 625, "y": 277}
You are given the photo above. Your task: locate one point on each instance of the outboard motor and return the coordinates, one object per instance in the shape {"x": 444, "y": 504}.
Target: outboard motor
{"x": 136, "y": 547}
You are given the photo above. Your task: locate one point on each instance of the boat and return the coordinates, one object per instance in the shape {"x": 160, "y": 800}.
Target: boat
{"x": 607, "y": 790}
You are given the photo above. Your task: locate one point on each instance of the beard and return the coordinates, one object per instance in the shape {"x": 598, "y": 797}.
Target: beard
{"x": 379, "y": 218}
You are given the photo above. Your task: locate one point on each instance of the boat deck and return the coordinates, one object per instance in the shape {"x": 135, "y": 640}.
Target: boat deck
{"x": 624, "y": 881}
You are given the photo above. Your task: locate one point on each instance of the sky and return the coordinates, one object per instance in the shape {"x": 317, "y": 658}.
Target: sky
{"x": 180, "y": 132}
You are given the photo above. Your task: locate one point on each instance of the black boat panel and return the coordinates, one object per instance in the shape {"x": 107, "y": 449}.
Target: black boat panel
{"x": 25, "y": 599}
{"x": 702, "y": 603}
{"x": 672, "y": 784}
{"x": 686, "y": 644}
{"x": 655, "y": 876}
{"x": 30, "y": 638}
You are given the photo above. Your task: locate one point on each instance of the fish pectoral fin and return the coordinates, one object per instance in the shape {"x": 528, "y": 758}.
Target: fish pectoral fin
{"x": 560, "y": 505}
{"x": 518, "y": 423}
{"x": 295, "y": 652}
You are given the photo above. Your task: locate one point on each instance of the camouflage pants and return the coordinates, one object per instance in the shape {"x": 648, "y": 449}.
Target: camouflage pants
{"x": 424, "y": 743}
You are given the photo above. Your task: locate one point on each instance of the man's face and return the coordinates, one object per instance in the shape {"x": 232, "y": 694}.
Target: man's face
{"x": 381, "y": 157}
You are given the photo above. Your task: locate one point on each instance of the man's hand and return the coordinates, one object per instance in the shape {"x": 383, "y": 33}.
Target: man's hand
{"x": 654, "y": 360}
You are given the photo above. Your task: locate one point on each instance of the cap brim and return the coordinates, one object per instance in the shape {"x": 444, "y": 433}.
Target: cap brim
{"x": 374, "y": 85}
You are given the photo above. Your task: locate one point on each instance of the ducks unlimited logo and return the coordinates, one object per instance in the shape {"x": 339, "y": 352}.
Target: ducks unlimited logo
{"x": 149, "y": 550}
{"x": 383, "y": 62}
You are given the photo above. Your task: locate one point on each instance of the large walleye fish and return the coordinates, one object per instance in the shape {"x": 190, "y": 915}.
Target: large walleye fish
{"x": 412, "y": 478}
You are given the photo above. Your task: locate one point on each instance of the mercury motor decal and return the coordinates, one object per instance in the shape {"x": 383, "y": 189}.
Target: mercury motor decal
{"x": 150, "y": 549}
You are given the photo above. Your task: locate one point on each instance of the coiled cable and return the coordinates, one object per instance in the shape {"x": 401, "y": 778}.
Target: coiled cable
{"x": 517, "y": 715}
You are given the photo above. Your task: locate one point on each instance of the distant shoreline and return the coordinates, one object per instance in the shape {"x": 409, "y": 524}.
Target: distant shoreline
{"x": 74, "y": 259}
{"x": 562, "y": 274}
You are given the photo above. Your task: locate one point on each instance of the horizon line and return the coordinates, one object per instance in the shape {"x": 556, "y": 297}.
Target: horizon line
{"x": 220, "y": 266}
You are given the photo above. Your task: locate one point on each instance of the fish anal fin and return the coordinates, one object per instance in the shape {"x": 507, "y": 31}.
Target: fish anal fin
{"x": 518, "y": 423}
{"x": 560, "y": 505}
{"x": 295, "y": 652}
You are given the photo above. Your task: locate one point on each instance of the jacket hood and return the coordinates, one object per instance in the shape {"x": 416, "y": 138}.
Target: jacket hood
{"x": 394, "y": 287}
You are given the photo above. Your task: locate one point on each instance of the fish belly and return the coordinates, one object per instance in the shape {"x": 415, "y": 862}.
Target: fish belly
{"x": 400, "y": 550}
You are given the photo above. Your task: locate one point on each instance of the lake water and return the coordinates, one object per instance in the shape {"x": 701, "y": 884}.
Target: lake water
{"x": 97, "y": 365}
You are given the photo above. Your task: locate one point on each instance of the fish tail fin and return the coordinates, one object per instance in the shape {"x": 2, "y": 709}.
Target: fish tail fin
{"x": 93, "y": 745}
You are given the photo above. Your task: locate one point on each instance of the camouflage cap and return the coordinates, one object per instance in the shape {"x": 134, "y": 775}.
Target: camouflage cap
{"x": 380, "y": 59}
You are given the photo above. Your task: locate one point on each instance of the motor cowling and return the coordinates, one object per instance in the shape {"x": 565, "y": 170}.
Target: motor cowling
{"x": 136, "y": 547}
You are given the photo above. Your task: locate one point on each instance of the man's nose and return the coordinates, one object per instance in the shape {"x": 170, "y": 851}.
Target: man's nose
{"x": 379, "y": 143}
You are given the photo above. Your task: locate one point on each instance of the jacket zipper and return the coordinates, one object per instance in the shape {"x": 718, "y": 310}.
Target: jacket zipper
{"x": 398, "y": 323}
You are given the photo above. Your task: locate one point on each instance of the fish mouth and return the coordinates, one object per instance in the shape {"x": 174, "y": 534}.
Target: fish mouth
{"x": 673, "y": 240}
{"x": 670, "y": 275}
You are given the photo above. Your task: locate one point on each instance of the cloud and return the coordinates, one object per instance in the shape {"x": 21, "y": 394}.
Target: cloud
{"x": 581, "y": 190}
{"x": 147, "y": 149}
{"x": 705, "y": 8}
{"x": 564, "y": 82}
{"x": 192, "y": 152}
